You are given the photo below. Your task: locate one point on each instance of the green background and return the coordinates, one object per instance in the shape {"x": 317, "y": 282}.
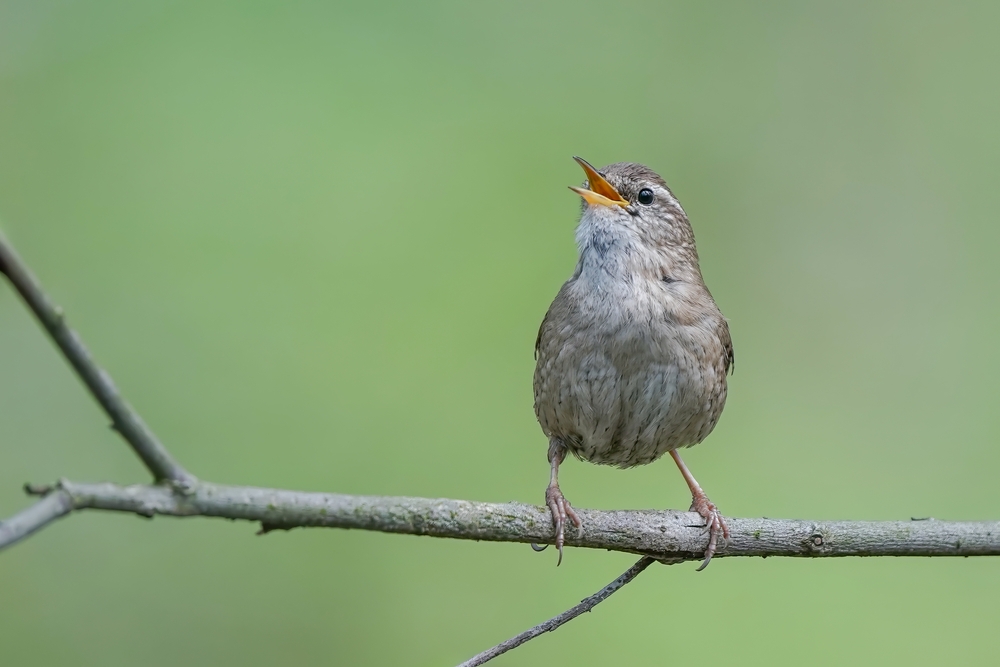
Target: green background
{"x": 313, "y": 245}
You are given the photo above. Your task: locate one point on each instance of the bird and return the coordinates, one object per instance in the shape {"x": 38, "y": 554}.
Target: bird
{"x": 632, "y": 356}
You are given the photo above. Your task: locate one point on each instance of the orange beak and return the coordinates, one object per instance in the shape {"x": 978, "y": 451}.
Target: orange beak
{"x": 601, "y": 193}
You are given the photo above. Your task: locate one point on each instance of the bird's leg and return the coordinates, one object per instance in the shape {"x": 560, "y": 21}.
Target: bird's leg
{"x": 700, "y": 503}
{"x": 558, "y": 505}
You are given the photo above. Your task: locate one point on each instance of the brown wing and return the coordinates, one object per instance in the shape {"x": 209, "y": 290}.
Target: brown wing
{"x": 557, "y": 306}
{"x": 727, "y": 344}
{"x": 538, "y": 339}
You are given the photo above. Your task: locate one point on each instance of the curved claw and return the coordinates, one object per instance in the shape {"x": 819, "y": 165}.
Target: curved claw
{"x": 539, "y": 547}
{"x": 561, "y": 510}
{"x": 714, "y": 523}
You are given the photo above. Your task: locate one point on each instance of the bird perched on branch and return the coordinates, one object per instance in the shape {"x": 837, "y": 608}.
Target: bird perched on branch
{"x": 633, "y": 353}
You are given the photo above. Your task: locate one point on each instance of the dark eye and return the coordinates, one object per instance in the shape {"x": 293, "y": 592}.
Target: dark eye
{"x": 645, "y": 196}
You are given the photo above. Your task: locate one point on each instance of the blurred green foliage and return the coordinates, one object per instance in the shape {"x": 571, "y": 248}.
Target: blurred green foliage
{"x": 312, "y": 242}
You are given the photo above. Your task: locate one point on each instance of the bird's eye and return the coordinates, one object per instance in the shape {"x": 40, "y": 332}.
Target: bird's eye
{"x": 645, "y": 196}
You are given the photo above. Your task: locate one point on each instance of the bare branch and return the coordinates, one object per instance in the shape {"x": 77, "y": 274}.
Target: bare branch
{"x": 125, "y": 420}
{"x": 548, "y": 626}
{"x": 667, "y": 535}
{"x": 42, "y": 513}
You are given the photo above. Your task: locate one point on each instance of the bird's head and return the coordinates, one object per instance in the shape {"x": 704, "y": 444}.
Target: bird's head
{"x": 635, "y": 197}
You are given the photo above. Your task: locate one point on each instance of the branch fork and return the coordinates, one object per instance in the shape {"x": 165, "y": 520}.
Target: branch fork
{"x": 666, "y": 536}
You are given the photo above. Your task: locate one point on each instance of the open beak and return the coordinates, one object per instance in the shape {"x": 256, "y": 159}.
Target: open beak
{"x": 601, "y": 193}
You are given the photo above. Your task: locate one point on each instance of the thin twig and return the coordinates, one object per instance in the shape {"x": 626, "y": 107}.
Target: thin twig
{"x": 548, "y": 626}
{"x": 36, "y": 517}
{"x": 124, "y": 419}
{"x": 667, "y": 535}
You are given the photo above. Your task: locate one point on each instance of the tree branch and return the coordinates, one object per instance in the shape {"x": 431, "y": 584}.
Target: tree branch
{"x": 667, "y": 535}
{"x": 36, "y": 517}
{"x": 124, "y": 419}
{"x": 553, "y": 623}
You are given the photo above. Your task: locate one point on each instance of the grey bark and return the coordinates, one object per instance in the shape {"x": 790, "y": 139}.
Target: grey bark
{"x": 124, "y": 419}
{"x": 42, "y": 513}
{"x": 555, "y": 622}
{"x": 667, "y": 535}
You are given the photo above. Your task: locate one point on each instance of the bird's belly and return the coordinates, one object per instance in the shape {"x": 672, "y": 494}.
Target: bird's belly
{"x": 624, "y": 417}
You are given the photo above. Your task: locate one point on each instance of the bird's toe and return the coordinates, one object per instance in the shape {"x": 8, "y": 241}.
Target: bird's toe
{"x": 714, "y": 523}
{"x": 561, "y": 511}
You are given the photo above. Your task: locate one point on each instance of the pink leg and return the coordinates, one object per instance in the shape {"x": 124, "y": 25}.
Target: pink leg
{"x": 700, "y": 503}
{"x": 558, "y": 505}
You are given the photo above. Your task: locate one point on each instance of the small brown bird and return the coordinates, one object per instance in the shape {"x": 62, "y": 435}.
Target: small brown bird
{"x": 633, "y": 353}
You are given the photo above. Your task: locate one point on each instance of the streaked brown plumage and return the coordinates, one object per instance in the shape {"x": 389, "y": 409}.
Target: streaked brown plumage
{"x": 633, "y": 353}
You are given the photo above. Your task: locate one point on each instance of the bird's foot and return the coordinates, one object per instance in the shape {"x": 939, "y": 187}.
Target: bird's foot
{"x": 714, "y": 523}
{"x": 561, "y": 510}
